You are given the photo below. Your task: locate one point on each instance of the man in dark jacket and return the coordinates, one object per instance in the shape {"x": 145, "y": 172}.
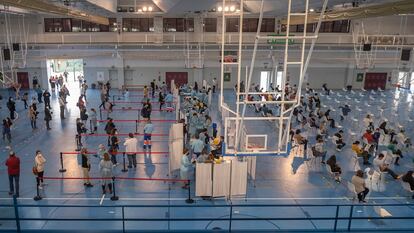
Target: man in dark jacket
{"x": 46, "y": 98}
{"x": 13, "y": 170}
{"x": 48, "y": 117}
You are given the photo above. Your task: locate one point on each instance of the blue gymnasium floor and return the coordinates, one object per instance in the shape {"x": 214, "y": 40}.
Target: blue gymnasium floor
{"x": 280, "y": 180}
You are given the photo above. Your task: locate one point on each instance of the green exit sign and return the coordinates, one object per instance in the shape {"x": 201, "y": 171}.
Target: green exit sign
{"x": 278, "y": 41}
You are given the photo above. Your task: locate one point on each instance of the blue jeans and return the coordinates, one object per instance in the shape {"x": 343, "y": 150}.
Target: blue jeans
{"x": 14, "y": 184}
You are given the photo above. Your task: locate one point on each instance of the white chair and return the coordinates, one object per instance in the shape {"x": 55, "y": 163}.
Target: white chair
{"x": 351, "y": 188}
{"x": 371, "y": 98}
{"x": 383, "y": 213}
{"x": 356, "y": 159}
{"x": 330, "y": 172}
{"x": 406, "y": 187}
{"x": 363, "y": 89}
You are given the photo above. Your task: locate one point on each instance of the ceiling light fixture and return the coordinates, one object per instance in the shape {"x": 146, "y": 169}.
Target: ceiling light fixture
{"x": 311, "y": 10}
{"x": 220, "y": 9}
{"x": 232, "y": 8}
{"x": 144, "y": 8}
{"x": 226, "y": 8}
{"x": 140, "y": 10}
{"x": 150, "y": 8}
{"x": 238, "y": 10}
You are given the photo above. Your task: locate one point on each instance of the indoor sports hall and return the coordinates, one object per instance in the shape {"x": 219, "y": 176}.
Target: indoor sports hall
{"x": 207, "y": 115}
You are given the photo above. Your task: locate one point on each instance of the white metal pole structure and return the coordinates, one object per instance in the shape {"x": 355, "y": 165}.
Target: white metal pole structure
{"x": 282, "y": 121}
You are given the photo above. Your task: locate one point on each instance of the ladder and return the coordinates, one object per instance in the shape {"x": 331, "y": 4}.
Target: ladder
{"x": 286, "y": 105}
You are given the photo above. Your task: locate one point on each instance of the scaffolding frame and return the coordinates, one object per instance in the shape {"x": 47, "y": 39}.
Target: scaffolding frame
{"x": 283, "y": 120}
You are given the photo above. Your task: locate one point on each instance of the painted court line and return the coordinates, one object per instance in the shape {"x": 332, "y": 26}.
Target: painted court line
{"x": 221, "y": 198}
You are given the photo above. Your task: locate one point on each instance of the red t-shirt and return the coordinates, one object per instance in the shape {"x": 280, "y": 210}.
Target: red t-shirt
{"x": 369, "y": 137}
{"x": 13, "y": 165}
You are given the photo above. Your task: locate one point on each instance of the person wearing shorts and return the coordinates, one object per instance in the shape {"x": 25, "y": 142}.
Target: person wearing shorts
{"x": 148, "y": 129}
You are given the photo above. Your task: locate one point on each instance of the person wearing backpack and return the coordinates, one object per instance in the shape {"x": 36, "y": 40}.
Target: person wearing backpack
{"x": 39, "y": 168}
{"x": 84, "y": 115}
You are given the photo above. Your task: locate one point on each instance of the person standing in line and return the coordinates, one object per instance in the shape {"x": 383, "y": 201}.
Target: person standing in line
{"x": 145, "y": 92}
{"x": 80, "y": 129}
{"x": 62, "y": 107}
{"x": 11, "y": 105}
{"x": 13, "y": 170}
{"x": 39, "y": 92}
{"x": 148, "y": 129}
{"x": 40, "y": 168}
{"x": 153, "y": 88}
{"x": 169, "y": 100}
{"x": 185, "y": 167}
{"x": 86, "y": 168}
{"x": 46, "y": 98}
{"x": 32, "y": 116}
{"x": 48, "y": 117}
{"x": 25, "y": 98}
{"x": 214, "y": 85}
{"x": 7, "y": 130}
{"x": 108, "y": 129}
{"x": 94, "y": 121}
{"x": 114, "y": 146}
{"x": 106, "y": 170}
{"x": 131, "y": 149}
{"x": 161, "y": 99}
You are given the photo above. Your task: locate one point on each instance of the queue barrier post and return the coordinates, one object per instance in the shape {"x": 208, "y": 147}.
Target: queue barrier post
{"x": 114, "y": 196}
{"x": 189, "y": 199}
{"x": 62, "y": 169}
{"x": 136, "y": 126}
{"x": 37, "y": 197}
{"x": 124, "y": 163}
{"x": 100, "y": 113}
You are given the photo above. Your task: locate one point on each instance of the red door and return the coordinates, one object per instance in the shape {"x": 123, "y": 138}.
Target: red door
{"x": 23, "y": 79}
{"x": 179, "y": 78}
{"x": 375, "y": 81}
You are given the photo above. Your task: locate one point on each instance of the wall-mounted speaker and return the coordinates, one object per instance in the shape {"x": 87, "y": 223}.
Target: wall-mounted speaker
{"x": 16, "y": 47}
{"x": 6, "y": 54}
{"x": 405, "y": 54}
{"x": 367, "y": 47}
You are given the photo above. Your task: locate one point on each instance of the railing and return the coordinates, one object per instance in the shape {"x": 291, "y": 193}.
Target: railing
{"x": 253, "y": 217}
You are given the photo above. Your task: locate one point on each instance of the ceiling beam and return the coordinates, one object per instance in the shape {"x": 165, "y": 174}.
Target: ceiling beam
{"x": 42, "y": 6}
{"x": 386, "y": 9}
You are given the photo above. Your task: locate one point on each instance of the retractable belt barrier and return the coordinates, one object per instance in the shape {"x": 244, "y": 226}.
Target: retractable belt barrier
{"x": 114, "y": 197}
{"x": 123, "y": 153}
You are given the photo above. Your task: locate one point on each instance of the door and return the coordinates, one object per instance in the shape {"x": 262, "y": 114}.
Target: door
{"x": 113, "y": 78}
{"x": 129, "y": 77}
{"x": 375, "y": 81}
{"x": 23, "y": 79}
{"x": 179, "y": 78}
{"x": 264, "y": 80}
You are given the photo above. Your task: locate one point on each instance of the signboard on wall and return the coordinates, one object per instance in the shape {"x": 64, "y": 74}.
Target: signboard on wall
{"x": 227, "y": 77}
{"x": 360, "y": 77}
{"x": 100, "y": 76}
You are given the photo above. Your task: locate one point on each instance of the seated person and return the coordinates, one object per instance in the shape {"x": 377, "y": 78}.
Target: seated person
{"x": 319, "y": 151}
{"x": 359, "y": 183}
{"x": 335, "y": 168}
{"x": 379, "y": 165}
{"x": 266, "y": 111}
{"x": 367, "y": 120}
{"x": 344, "y": 111}
{"x": 368, "y": 137}
{"x": 339, "y": 142}
{"x": 408, "y": 177}
{"x": 383, "y": 126}
{"x": 216, "y": 146}
{"x": 300, "y": 140}
{"x": 406, "y": 141}
{"x": 397, "y": 152}
{"x": 356, "y": 147}
{"x": 325, "y": 88}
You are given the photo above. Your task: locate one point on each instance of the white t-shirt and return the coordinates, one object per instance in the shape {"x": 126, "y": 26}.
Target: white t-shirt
{"x": 130, "y": 145}
{"x": 378, "y": 163}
